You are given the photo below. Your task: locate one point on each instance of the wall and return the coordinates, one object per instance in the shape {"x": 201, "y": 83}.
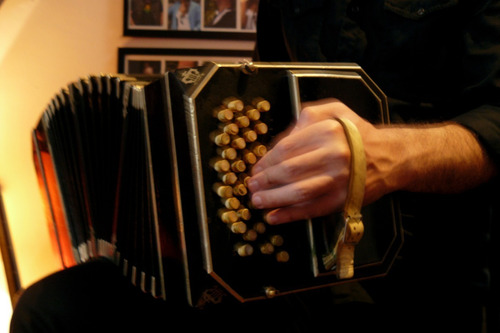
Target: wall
{"x": 44, "y": 44}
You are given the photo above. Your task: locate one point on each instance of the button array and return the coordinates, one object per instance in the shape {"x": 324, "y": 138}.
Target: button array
{"x": 237, "y": 149}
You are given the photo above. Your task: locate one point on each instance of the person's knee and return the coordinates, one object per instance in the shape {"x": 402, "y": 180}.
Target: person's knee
{"x": 74, "y": 296}
{"x": 27, "y": 314}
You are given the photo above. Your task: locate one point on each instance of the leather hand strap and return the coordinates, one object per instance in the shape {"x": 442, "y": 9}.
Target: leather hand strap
{"x": 351, "y": 234}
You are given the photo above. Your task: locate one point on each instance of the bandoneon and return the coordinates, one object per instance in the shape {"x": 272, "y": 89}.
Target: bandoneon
{"x": 151, "y": 173}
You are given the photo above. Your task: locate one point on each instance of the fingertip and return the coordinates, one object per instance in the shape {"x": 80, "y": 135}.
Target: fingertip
{"x": 257, "y": 201}
{"x": 271, "y": 218}
{"x": 253, "y": 184}
{"x": 256, "y": 169}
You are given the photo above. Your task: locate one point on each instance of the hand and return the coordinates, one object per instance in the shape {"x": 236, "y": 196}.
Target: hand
{"x": 306, "y": 173}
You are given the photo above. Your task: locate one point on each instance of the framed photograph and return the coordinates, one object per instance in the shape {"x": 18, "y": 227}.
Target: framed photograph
{"x": 159, "y": 60}
{"x": 218, "y": 19}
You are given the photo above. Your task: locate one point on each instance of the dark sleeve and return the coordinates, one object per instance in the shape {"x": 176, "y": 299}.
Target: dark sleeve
{"x": 485, "y": 123}
{"x": 482, "y": 71}
{"x": 271, "y": 44}
{"x": 291, "y": 30}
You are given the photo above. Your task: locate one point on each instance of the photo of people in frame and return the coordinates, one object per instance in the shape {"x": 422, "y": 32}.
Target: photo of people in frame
{"x": 147, "y": 14}
{"x": 224, "y": 19}
{"x": 156, "y": 64}
{"x": 148, "y": 67}
{"x": 220, "y": 14}
{"x": 184, "y": 15}
{"x": 171, "y": 65}
{"x": 248, "y": 12}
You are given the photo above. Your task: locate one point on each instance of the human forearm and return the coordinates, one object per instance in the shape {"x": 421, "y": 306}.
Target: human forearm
{"x": 438, "y": 158}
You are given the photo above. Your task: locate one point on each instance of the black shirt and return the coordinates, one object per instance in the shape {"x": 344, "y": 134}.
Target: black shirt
{"x": 436, "y": 61}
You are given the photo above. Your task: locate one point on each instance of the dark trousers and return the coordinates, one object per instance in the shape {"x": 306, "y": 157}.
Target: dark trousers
{"x": 94, "y": 297}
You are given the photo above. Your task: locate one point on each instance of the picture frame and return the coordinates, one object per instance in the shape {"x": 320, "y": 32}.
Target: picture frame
{"x": 203, "y": 19}
{"x": 160, "y": 60}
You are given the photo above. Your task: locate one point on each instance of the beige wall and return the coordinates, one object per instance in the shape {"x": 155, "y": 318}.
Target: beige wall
{"x": 44, "y": 44}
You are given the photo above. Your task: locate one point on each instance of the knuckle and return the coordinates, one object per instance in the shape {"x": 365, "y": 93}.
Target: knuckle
{"x": 288, "y": 170}
{"x": 294, "y": 216}
{"x": 345, "y": 154}
{"x": 283, "y": 147}
{"x": 267, "y": 179}
{"x": 308, "y": 113}
{"x": 329, "y": 182}
{"x": 302, "y": 194}
{"x": 335, "y": 128}
{"x": 337, "y": 131}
